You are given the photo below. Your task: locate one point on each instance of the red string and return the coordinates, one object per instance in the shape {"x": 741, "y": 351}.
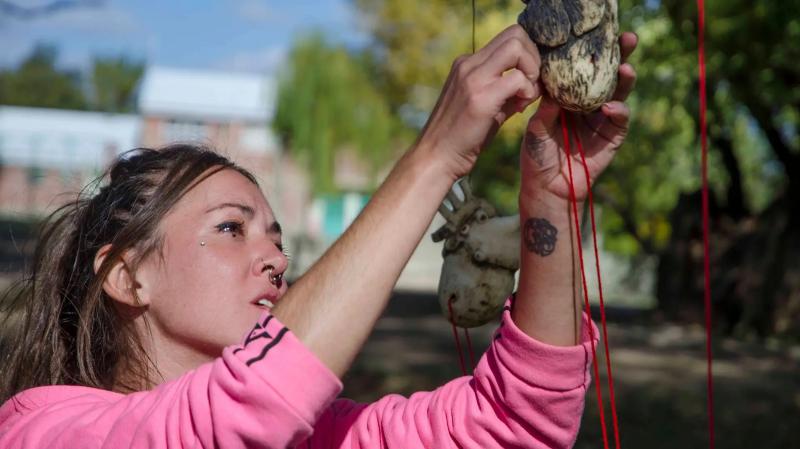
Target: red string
{"x": 574, "y": 202}
{"x": 455, "y": 336}
{"x": 701, "y": 57}
{"x": 470, "y": 351}
{"x": 599, "y": 287}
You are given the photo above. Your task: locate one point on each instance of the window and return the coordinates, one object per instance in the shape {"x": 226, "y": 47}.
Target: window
{"x": 178, "y": 130}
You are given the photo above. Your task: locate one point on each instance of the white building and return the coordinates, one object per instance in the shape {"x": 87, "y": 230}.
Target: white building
{"x": 48, "y": 154}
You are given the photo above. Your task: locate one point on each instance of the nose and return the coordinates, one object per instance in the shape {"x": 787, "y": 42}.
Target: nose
{"x": 270, "y": 262}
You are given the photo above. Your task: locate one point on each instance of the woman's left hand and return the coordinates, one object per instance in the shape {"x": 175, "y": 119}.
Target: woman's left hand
{"x": 543, "y": 162}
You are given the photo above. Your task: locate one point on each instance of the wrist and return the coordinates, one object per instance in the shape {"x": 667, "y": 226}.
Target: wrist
{"x": 539, "y": 200}
{"x": 424, "y": 158}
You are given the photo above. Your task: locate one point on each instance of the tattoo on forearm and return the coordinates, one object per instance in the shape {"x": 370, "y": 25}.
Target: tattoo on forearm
{"x": 540, "y": 236}
{"x": 535, "y": 148}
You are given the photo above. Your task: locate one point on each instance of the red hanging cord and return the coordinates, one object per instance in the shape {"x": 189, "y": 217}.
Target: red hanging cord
{"x": 599, "y": 287}
{"x": 470, "y": 351}
{"x": 701, "y": 59}
{"x": 574, "y": 202}
{"x": 455, "y": 336}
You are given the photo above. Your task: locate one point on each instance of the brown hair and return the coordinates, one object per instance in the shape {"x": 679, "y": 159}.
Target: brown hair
{"x": 69, "y": 330}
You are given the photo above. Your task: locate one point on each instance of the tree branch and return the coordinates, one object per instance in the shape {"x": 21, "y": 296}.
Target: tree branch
{"x": 780, "y": 147}
{"x": 735, "y": 206}
{"x": 628, "y": 221}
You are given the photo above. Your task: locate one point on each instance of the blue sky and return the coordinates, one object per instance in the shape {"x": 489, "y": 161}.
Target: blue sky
{"x": 239, "y": 35}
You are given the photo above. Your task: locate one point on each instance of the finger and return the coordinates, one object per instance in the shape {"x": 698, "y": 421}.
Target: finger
{"x": 609, "y": 126}
{"x": 627, "y": 43}
{"x": 515, "y": 92}
{"x": 515, "y": 84}
{"x": 618, "y": 114}
{"x": 625, "y": 82}
{"x": 545, "y": 118}
{"x": 513, "y": 106}
{"x": 512, "y": 54}
{"x": 513, "y": 32}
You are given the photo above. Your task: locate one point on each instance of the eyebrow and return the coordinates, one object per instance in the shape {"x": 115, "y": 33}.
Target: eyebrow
{"x": 275, "y": 227}
{"x": 247, "y": 210}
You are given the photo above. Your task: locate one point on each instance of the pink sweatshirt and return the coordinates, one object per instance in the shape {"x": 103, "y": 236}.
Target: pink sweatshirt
{"x": 271, "y": 392}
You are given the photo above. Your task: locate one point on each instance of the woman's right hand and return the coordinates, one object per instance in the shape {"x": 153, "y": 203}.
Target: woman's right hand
{"x": 482, "y": 91}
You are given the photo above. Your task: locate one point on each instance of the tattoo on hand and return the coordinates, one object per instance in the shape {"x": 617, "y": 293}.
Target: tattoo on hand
{"x": 540, "y": 236}
{"x": 535, "y": 148}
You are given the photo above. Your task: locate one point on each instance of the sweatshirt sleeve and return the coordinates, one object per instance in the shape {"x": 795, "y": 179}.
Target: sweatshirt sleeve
{"x": 265, "y": 393}
{"x": 523, "y": 394}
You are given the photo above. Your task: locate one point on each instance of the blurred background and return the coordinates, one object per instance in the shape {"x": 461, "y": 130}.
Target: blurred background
{"x": 319, "y": 98}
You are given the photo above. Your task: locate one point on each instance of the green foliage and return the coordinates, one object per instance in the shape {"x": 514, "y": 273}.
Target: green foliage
{"x": 113, "y": 82}
{"x": 754, "y": 93}
{"x": 37, "y": 82}
{"x": 745, "y": 48}
{"x": 328, "y": 102}
{"x": 416, "y": 42}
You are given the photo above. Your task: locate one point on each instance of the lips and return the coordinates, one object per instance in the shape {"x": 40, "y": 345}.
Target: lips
{"x": 266, "y": 300}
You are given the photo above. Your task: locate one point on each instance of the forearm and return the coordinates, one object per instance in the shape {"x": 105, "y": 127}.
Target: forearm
{"x": 549, "y": 298}
{"x": 334, "y": 306}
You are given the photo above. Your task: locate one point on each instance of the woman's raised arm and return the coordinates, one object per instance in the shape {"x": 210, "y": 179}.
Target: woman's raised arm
{"x": 335, "y": 305}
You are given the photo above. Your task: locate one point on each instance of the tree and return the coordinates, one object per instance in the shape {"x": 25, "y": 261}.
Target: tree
{"x": 37, "y": 82}
{"x": 113, "y": 82}
{"x": 754, "y": 80}
{"x": 327, "y": 102}
{"x": 415, "y": 43}
{"x": 648, "y": 194}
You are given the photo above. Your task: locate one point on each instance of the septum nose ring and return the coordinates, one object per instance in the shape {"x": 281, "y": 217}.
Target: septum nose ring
{"x": 276, "y": 279}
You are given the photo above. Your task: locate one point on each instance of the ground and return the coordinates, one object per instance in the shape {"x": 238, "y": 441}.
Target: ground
{"x": 659, "y": 378}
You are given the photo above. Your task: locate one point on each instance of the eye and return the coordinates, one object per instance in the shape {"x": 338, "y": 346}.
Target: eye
{"x": 233, "y": 227}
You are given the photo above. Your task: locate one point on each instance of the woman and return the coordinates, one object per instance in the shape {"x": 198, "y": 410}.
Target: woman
{"x": 141, "y": 294}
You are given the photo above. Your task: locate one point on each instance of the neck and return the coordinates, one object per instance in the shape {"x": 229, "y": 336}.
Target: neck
{"x": 165, "y": 358}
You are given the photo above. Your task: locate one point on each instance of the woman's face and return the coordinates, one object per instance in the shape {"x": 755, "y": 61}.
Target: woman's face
{"x": 220, "y": 244}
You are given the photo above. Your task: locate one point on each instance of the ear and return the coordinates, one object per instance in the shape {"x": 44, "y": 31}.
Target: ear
{"x": 120, "y": 283}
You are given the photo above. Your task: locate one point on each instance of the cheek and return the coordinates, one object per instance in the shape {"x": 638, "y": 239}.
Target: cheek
{"x": 211, "y": 274}
{"x": 198, "y": 291}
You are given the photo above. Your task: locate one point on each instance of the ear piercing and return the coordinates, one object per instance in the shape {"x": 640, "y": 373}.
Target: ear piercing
{"x": 202, "y": 243}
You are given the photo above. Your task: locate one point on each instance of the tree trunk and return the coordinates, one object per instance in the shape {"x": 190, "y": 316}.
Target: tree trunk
{"x": 755, "y": 269}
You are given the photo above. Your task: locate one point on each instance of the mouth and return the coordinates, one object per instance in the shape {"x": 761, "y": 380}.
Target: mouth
{"x": 266, "y": 300}
{"x": 265, "y": 303}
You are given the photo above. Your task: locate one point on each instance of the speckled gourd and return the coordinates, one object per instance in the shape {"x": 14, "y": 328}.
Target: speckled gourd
{"x": 578, "y": 43}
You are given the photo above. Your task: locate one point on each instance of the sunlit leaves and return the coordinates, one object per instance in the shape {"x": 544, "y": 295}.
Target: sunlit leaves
{"x": 327, "y": 102}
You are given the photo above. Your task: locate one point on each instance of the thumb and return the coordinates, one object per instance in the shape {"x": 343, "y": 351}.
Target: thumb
{"x": 545, "y": 117}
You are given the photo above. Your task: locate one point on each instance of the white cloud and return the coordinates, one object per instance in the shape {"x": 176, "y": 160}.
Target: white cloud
{"x": 103, "y": 19}
{"x": 255, "y": 11}
{"x": 101, "y": 24}
{"x": 265, "y": 60}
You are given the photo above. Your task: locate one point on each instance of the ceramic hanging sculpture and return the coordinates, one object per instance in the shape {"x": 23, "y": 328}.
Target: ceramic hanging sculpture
{"x": 481, "y": 255}
{"x": 578, "y": 43}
